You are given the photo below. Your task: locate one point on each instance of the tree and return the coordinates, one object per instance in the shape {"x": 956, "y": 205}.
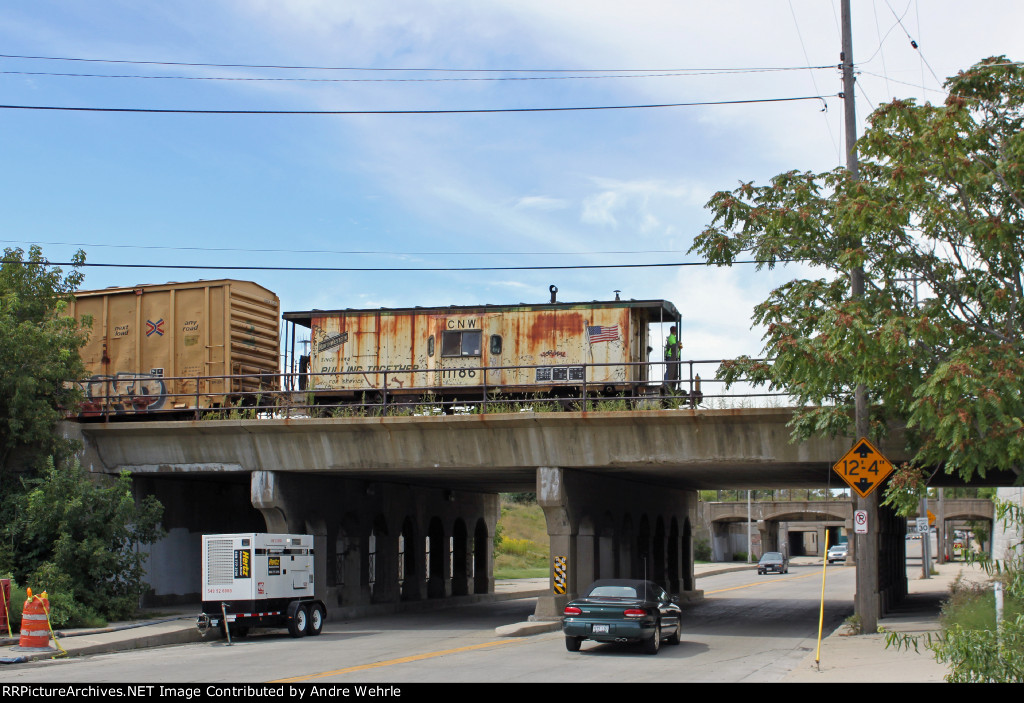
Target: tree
{"x": 78, "y": 539}
{"x": 38, "y": 357}
{"x": 936, "y": 221}
{"x": 63, "y": 531}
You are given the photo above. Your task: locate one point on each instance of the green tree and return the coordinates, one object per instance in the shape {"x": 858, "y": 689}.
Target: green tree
{"x": 63, "y": 530}
{"x": 39, "y": 355}
{"x": 77, "y": 538}
{"x": 935, "y": 221}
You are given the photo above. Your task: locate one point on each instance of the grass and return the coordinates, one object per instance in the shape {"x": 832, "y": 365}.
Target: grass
{"x": 972, "y": 606}
{"x": 523, "y": 549}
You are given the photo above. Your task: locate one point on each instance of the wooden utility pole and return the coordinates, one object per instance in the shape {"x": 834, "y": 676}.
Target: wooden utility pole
{"x": 867, "y": 602}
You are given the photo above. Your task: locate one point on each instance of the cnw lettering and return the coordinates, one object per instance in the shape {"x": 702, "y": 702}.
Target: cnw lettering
{"x": 463, "y": 324}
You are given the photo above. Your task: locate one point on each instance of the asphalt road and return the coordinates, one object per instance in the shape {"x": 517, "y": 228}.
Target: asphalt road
{"x": 750, "y": 629}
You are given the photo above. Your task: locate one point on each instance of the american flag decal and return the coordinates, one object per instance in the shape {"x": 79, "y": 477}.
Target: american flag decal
{"x": 598, "y": 333}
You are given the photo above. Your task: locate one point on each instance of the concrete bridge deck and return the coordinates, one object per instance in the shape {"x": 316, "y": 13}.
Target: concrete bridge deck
{"x": 686, "y": 449}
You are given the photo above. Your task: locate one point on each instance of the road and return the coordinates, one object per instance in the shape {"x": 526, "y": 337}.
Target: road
{"x": 750, "y": 629}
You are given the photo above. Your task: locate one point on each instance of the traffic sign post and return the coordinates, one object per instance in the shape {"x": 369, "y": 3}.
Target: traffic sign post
{"x": 863, "y": 468}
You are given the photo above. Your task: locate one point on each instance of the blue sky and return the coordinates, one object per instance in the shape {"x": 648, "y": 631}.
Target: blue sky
{"x": 504, "y": 189}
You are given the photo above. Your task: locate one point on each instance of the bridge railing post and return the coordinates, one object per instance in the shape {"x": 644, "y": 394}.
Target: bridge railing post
{"x": 483, "y": 384}
{"x": 585, "y": 387}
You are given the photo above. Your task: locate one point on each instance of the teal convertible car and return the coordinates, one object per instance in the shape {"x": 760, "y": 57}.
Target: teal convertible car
{"x": 622, "y": 610}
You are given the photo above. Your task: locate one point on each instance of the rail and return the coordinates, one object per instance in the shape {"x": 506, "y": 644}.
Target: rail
{"x": 383, "y": 390}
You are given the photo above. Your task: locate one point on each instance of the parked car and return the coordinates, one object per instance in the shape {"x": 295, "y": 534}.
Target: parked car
{"x": 773, "y": 561}
{"x": 622, "y": 610}
{"x": 837, "y": 552}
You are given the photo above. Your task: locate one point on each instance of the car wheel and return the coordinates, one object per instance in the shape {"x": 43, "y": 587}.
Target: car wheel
{"x": 573, "y": 643}
{"x": 298, "y": 620}
{"x": 316, "y": 619}
{"x": 652, "y": 645}
{"x": 674, "y": 639}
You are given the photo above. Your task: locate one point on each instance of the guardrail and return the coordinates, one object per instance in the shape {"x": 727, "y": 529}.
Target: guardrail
{"x": 403, "y": 391}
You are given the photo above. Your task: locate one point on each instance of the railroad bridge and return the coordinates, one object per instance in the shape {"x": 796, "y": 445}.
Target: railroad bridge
{"x": 405, "y": 508}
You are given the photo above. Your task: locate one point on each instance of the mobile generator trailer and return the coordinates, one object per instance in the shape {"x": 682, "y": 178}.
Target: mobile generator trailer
{"x": 260, "y": 580}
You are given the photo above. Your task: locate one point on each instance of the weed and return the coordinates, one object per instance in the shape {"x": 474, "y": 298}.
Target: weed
{"x": 854, "y": 625}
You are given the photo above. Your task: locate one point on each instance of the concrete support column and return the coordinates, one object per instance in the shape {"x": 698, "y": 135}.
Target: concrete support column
{"x": 553, "y": 500}
{"x": 721, "y": 547}
{"x": 652, "y": 522}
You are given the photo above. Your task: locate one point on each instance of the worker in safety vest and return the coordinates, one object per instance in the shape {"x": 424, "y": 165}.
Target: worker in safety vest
{"x": 672, "y": 347}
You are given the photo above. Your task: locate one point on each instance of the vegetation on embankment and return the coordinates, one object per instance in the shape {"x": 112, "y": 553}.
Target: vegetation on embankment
{"x": 521, "y": 545}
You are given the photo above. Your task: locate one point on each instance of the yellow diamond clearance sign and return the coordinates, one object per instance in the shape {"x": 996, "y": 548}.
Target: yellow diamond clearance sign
{"x": 863, "y": 467}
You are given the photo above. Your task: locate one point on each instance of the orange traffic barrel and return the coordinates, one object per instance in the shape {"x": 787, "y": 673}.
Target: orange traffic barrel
{"x": 35, "y": 629}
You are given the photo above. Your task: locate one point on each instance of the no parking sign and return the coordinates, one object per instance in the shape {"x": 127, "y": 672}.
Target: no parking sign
{"x": 860, "y": 522}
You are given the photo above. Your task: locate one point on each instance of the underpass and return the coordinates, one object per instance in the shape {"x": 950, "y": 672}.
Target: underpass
{"x": 403, "y": 509}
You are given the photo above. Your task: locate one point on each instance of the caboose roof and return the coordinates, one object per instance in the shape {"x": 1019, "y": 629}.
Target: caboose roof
{"x": 658, "y": 310}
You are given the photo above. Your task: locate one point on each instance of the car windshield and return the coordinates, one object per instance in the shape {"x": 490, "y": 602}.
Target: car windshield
{"x": 772, "y": 556}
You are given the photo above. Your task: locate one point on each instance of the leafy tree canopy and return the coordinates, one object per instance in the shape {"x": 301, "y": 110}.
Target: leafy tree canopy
{"x": 38, "y": 356}
{"x": 936, "y": 221}
{"x": 78, "y": 539}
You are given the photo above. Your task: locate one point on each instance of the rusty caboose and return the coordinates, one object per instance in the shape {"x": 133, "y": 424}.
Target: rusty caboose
{"x": 459, "y": 351}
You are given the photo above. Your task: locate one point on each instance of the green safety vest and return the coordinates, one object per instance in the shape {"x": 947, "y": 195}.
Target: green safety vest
{"x": 670, "y": 346}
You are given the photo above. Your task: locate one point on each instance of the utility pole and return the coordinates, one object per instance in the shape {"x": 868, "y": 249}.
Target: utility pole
{"x": 867, "y": 602}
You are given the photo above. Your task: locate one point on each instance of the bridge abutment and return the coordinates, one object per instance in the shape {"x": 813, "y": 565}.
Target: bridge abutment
{"x": 602, "y": 527}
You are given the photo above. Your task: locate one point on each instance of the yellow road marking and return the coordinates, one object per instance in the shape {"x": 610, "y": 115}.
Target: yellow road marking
{"x": 760, "y": 583}
{"x": 390, "y": 662}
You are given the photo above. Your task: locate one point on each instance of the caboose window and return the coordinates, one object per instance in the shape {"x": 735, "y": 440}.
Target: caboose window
{"x": 496, "y": 344}
{"x": 461, "y": 343}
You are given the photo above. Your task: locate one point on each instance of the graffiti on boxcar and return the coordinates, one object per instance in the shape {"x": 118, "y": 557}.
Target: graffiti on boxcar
{"x": 123, "y": 393}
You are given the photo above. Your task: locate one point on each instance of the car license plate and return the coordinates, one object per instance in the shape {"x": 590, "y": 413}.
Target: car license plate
{"x": 600, "y": 629}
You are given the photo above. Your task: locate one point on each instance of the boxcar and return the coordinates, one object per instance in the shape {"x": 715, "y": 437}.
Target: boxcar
{"x": 552, "y": 348}
{"x": 172, "y": 346}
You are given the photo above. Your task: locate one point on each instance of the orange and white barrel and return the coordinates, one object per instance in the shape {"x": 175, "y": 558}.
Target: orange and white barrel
{"x": 35, "y": 627}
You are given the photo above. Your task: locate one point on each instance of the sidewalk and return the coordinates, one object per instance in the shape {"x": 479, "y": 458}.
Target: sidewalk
{"x": 865, "y": 658}
{"x": 842, "y": 659}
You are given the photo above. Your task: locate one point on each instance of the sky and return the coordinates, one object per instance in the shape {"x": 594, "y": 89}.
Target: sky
{"x": 443, "y": 190}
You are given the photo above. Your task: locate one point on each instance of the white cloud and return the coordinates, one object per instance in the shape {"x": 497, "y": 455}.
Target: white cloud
{"x": 540, "y": 202}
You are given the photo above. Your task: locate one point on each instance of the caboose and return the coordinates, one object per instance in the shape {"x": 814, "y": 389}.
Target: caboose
{"x": 553, "y": 349}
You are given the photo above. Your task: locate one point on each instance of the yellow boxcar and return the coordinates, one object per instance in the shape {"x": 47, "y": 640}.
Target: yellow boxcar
{"x": 452, "y": 351}
{"x": 174, "y": 346}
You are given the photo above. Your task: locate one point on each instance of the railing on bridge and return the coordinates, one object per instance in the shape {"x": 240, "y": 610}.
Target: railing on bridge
{"x": 402, "y": 391}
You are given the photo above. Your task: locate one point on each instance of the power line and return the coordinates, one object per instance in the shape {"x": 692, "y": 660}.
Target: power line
{"x": 344, "y": 252}
{"x": 396, "y": 69}
{"x": 381, "y": 269}
{"x": 183, "y": 111}
{"x": 295, "y": 79}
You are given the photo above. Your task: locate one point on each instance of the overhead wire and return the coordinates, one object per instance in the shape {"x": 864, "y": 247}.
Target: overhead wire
{"x": 913, "y": 42}
{"x": 803, "y": 47}
{"x": 189, "y": 111}
{"x": 618, "y": 76}
{"x": 388, "y": 269}
{"x": 342, "y": 252}
{"x": 412, "y": 69}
